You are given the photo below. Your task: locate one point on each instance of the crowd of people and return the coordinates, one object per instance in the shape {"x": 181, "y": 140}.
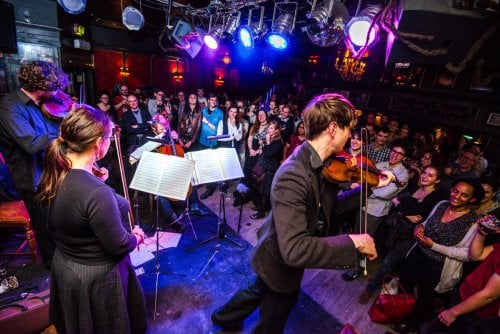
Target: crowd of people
{"x": 425, "y": 209}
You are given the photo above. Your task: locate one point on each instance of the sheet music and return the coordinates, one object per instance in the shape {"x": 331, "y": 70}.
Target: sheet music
{"x": 163, "y": 175}
{"x": 147, "y": 147}
{"x": 215, "y": 165}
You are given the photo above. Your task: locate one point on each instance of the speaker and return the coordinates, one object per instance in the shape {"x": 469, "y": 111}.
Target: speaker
{"x": 453, "y": 29}
{"x": 8, "y": 39}
{"x": 132, "y": 18}
{"x": 73, "y": 6}
{"x": 187, "y": 38}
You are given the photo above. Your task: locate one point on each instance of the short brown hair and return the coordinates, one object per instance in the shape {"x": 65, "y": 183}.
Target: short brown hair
{"x": 326, "y": 108}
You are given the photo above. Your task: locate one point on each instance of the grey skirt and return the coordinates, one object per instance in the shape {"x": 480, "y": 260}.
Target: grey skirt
{"x": 96, "y": 299}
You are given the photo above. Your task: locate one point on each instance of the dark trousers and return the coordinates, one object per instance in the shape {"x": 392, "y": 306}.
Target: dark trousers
{"x": 274, "y": 307}
{"x": 395, "y": 256}
{"x": 39, "y": 219}
{"x": 422, "y": 272}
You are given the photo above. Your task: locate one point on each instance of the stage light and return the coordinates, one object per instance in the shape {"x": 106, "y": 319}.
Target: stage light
{"x": 213, "y": 38}
{"x": 281, "y": 31}
{"x": 326, "y": 23}
{"x": 73, "y": 6}
{"x": 231, "y": 26}
{"x": 132, "y": 18}
{"x": 360, "y": 31}
{"x": 252, "y": 32}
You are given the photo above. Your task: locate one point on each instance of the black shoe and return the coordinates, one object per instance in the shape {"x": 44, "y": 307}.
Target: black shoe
{"x": 226, "y": 325}
{"x": 207, "y": 193}
{"x": 258, "y": 215}
{"x": 351, "y": 274}
{"x": 198, "y": 212}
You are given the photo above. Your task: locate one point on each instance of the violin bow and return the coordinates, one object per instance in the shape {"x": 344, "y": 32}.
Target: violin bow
{"x": 363, "y": 194}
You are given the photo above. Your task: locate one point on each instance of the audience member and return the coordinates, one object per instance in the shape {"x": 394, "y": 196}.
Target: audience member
{"x": 439, "y": 237}
{"x": 378, "y": 150}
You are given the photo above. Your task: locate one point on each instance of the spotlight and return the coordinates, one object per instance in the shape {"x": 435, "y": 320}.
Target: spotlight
{"x": 213, "y": 38}
{"x": 132, "y": 18}
{"x": 281, "y": 31}
{"x": 325, "y": 25}
{"x": 231, "y": 26}
{"x": 252, "y": 32}
{"x": 358, "y": 29}
{"x": 72, "y": 6}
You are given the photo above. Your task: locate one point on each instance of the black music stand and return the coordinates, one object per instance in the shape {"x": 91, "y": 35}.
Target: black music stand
{"x": 221, "y": 229}
{"x": 159, "y": 174}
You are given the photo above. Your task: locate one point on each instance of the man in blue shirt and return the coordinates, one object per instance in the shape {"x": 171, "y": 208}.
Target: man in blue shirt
{"x": 211, "y": 116}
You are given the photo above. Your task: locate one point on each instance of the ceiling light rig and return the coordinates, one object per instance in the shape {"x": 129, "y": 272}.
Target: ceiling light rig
{"x": 362, "y": 30}
{"x": 326, "y": 23}
{"x": 251, "y": 32}
{"x": 283, "y": 25}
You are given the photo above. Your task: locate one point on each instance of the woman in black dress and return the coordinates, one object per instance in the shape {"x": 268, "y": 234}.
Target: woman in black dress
{"x": 94, "y": 288}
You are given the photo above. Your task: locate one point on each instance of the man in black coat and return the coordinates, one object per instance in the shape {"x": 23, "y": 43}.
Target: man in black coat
{"x": 135, "y": 123}
{"x": 293, "y": 237}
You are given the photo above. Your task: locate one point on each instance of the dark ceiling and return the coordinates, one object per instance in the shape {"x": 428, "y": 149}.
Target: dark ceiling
{"x": 456, "y": 30}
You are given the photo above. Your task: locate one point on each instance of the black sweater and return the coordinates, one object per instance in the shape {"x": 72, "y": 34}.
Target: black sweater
{"x": 86, "y": 219}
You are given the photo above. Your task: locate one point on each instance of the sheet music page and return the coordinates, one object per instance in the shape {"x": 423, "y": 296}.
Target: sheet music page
{"x": 207, "y": 167}
{"x": 230, "y": 163}
{"x": 176, "y": 177}
{"x": 148, "y": 172}
{"x": 163, "y": 175}
{"x": 147, "y": 147}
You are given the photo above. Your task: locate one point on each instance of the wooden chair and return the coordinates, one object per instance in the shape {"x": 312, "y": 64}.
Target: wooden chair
{"x": 13, "y": 214}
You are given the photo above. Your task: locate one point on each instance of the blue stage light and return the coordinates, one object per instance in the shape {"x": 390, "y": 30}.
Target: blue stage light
{"x": 245, "y": 37}
{"x": 277, "y": 41}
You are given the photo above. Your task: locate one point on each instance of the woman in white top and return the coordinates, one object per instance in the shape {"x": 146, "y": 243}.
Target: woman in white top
{"x": 230, "y": 125}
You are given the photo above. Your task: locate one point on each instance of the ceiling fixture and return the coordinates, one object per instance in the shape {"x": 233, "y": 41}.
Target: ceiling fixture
{"x": 252, "y": 32}
{"x": 326, "y": 23}
{"x": 230, "y": 27}
{"x": 362, "y": 31}
{"x": 132, "y": 18}
{"x": 282, "y": 27}
{"x": 73, "y": 6}
{"x": 214, "y": 37}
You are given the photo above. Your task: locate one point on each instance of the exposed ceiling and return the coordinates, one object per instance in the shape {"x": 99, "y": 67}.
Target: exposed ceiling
{"x": 437, "y": 19}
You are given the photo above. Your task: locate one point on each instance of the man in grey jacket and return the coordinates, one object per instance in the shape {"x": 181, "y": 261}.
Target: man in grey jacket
{"x": 293, "y": 237}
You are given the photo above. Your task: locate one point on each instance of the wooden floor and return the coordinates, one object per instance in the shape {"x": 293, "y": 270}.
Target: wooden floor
{"x": 326, "y": 287}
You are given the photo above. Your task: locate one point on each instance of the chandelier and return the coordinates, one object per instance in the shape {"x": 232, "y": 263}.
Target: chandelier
{"x": 349, "y": 68}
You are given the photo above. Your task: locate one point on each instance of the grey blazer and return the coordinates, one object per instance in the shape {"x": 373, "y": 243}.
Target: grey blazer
{"x": 287, "y": 243}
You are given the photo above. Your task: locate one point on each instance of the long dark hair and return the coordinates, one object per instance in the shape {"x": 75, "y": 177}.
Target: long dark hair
{"x": 79, "y": 130}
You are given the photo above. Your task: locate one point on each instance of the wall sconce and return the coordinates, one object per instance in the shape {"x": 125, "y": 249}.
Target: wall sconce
{"x": 219, "y": 81}
{"x": 226, "y": 59}
{"x": 177, "y": 76}
{"x": 124, "y": 72}
{"x": 313, "y": 59}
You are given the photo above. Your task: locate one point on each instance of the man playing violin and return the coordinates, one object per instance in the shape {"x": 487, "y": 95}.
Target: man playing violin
{"x": 25, "y": 132}
{"x": 293, "y": 236}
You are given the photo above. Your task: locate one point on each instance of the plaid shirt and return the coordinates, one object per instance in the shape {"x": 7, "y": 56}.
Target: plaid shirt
{"x": 380, "y": 155}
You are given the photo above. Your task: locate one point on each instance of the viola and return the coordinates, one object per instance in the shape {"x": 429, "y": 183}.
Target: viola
{"x": 340, "y": 169}
{"x": 58, "y": 106}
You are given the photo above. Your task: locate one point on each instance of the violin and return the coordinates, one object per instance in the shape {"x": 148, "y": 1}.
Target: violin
{"x": 58, "y": 106}
{"x": 340, "y": 170}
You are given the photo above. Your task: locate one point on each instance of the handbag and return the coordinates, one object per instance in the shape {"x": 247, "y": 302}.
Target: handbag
{"x": 259, "y": 171}
{"x": 389, "y": 309}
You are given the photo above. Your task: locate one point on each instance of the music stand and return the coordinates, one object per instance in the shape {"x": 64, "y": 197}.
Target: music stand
{"x": 216, "y": 165}
{"x": 162, "y": 175}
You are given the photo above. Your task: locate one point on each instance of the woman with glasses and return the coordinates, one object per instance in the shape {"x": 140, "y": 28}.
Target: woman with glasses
{"x": 105, "y": 106}
{"x": 93, "y": 284}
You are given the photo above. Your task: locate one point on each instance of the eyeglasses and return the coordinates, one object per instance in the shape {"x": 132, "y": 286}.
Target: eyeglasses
{"x": 401, "y": 154}
{"x": 112, "y": 138}
{"x": 426, "y": 158}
